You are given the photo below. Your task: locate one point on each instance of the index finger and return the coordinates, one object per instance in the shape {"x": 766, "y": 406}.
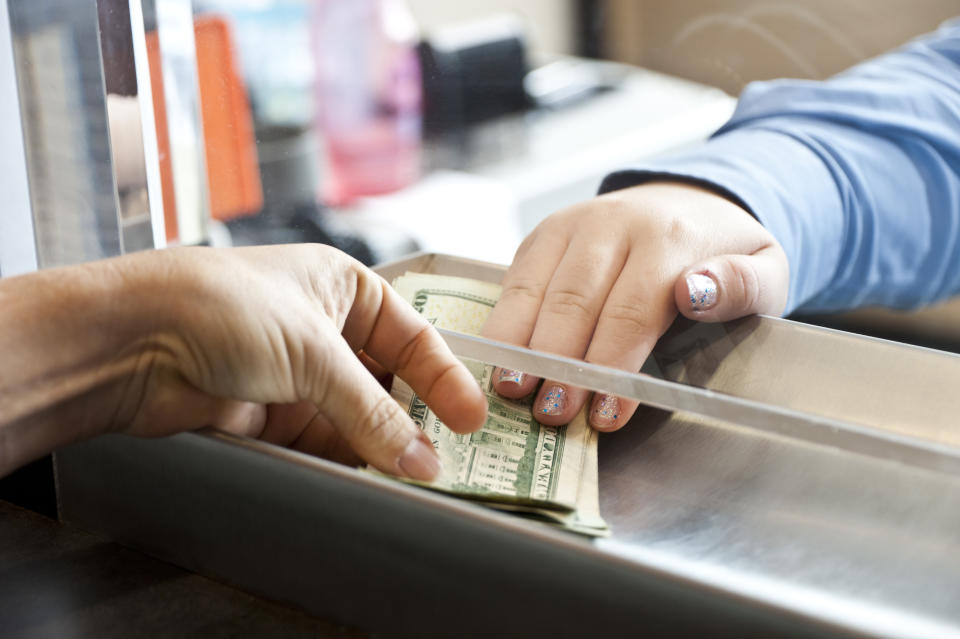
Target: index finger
{"x": 406, "y": 344}
{"x": 513, "y": 318}
{"x": 639, "y": 309}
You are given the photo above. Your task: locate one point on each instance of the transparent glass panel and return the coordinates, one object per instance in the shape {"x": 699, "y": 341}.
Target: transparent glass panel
{"x": 64, "y": 113}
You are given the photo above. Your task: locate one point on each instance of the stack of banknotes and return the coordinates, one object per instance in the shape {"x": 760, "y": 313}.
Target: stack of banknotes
{"x": 513, "y": 463}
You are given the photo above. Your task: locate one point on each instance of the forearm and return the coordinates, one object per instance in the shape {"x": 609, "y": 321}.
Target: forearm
{"x": 75, "y": 347}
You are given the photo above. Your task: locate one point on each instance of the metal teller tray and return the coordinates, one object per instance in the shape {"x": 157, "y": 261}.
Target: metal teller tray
{"x": 839, "y": 514}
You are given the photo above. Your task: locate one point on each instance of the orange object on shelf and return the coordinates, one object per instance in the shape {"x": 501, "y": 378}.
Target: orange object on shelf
{"x": 163, "y": 138}
{"x": 233, "y": 175}
{"x": 231, "y": 148}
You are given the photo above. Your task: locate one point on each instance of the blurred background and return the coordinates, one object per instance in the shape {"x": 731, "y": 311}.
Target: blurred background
{"x": 519, "y": 114}
{"x": 383, "y": 126}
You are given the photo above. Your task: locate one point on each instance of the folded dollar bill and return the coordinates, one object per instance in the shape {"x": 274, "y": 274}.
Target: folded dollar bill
{"x": 513, "y": 463}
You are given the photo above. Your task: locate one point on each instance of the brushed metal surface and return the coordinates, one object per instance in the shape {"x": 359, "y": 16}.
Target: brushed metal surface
{"x": 890, "y": 386}
{"x": 717, "y": 528}
{"x": 650, "y": 389}
{"x": 383, "y": 556}
{"x": 868, "y": 544}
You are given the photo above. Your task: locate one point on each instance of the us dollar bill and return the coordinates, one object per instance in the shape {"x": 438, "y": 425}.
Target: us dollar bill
{"x": 513, "y": 463}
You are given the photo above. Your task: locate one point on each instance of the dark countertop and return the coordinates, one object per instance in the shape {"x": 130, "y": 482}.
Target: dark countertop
{"x": 59, "y": 581}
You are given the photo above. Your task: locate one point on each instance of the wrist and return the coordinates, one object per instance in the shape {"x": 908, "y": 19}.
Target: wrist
{"x": 75, "y": 343}
{"x": 687, "y": 210}
{"x": 703, "y": 194}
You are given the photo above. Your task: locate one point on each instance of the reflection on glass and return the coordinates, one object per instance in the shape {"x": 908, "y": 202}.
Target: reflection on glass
{"x": 175, "y": 43}
{"x": 125, "y": 125}
{"x": 68, "y": 158}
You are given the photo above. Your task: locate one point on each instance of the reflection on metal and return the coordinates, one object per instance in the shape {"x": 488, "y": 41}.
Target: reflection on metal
{"x": 63, "y": 113}
{"x": 718, "y": 528}
{"x": 650, "y": 389}
{"x": 173, "y": 20}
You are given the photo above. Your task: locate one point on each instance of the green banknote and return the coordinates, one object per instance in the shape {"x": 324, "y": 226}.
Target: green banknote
{"x": 513, "y": 463}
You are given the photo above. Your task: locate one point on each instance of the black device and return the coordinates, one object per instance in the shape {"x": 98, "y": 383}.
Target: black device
{"x": 473, "y": 72}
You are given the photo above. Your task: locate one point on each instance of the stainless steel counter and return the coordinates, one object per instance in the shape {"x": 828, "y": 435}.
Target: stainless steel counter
{"x": 717, "y": 528}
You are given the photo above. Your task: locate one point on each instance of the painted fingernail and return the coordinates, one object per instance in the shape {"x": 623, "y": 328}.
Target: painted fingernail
{"x": 606, "y": 410}
{"x": 703, "y": 291}
{"x": 420, "y": 460}
{"x": 508, "y": 376}
{"x": 553, "y": 401}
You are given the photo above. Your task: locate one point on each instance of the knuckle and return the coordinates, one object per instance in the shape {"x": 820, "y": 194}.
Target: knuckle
{"x": 412, "y": 349}
{"x": 525, "y": 245}
{"x": 616, "y": 210}
{"x": 749, "y": 282}
{"x": 568, "y": 303}
{"x": 444, "y": 373}
{"x": 378, "y": 424}
{"x": 300, "y": 357}
{"x": 677, "y": 230}
{"x": 523, "y": 290}
{"x": 630, "y": 317}
{"x": 560, "y": 221}
{"x": 667, "y": 226}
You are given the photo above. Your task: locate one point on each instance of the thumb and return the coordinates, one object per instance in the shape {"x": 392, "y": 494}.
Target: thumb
{"x": 371, "y": 422}
{"x": 730, "y": 286}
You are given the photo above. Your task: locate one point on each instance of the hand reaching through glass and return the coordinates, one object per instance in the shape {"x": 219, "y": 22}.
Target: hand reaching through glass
{"x": 604, "y": 279}
{"x": 260, "y": 341}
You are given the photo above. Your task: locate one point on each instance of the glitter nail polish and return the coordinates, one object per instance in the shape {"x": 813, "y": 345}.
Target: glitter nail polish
{"x": 605, "y": 411}
{"x": 703, "y": 291}
{"x": 553, "y": 401}
{"x": 510, "y": 376}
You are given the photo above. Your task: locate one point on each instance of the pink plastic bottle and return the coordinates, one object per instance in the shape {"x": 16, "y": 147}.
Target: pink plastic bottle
{"x": 368, "y": 97}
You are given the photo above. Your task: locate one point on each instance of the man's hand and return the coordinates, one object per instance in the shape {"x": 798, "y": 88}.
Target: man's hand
{"x": 603, "y": 280}
{"x": 261, "y": 341}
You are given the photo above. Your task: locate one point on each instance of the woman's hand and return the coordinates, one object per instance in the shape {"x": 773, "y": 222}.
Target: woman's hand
{"x": 603, "y": 280}
{"x": 271, "y": 342}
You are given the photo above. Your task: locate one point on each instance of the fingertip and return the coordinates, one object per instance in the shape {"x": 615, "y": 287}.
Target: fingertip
{"x": 513, "y": 384}
{"x": 463, "y": 407}
{"x": 697, "y": 292}
{"x": 609, "y": 413}
{"x": 474, "y": 412}
{"x": 556, "y": 404}
{"x": 605, "y": 412}
{"x": 419, "y": 459}
{"x": 731, "y": 286}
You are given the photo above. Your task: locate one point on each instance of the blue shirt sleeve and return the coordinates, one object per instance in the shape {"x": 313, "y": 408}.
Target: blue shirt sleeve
{"x": 858, "y": 176}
